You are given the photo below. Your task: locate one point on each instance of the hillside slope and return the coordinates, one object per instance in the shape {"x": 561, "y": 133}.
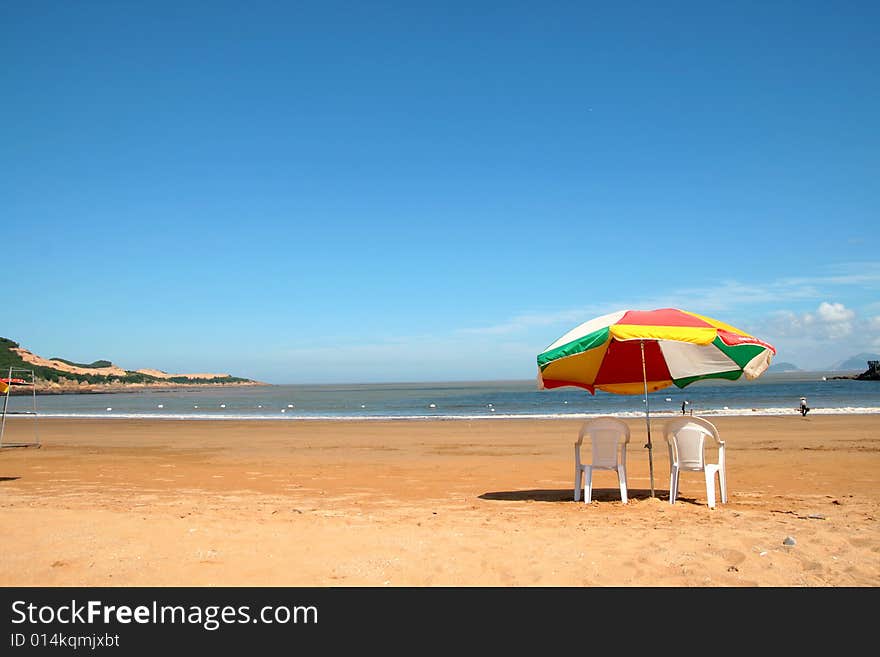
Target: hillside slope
{"x": 61, "y": 375}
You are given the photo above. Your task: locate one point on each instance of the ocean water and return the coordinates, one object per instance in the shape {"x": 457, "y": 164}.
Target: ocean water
{"x": 771, "y": 394}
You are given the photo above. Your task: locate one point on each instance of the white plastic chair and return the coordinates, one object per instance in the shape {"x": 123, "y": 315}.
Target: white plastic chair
{"x": 686, "y": 439}
{"x": 609, "y": 437}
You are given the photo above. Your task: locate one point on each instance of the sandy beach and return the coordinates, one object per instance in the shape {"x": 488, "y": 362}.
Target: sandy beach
{"x": 431, "y": 503}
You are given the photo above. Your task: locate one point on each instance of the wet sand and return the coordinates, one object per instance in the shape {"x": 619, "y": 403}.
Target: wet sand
{"x": 431, "y": 503}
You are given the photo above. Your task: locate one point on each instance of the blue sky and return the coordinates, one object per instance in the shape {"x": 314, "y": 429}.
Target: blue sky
{"x": 353, "y": 192}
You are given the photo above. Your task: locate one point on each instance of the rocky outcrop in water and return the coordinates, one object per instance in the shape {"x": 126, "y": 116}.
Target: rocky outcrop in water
{"x": 871, "y": 374}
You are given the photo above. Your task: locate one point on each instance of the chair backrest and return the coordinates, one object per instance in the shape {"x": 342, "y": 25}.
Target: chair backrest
{"x": 606, "y": 435}
{"x": 686, "y": 438}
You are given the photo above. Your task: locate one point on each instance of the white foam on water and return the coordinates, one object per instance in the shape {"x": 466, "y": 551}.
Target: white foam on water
{"x": 492, "y": 415}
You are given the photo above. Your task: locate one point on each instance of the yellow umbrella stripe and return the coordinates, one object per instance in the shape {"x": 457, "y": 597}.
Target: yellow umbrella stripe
{"x": 581, "y": 367}
{"x": 694, "y": 334}
{"x": 717, "y": 324}
{"x": 634, "y": 388}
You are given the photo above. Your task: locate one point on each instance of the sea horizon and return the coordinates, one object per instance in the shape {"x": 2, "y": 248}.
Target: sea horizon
{"x": 772, "y": 394}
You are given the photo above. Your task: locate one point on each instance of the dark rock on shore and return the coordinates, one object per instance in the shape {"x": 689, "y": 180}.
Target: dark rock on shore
{"x": 871, "y": 374}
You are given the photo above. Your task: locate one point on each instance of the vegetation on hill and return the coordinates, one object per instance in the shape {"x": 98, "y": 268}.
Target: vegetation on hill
{"x": 9, "y": 358}
{"x": 97, "y": 365}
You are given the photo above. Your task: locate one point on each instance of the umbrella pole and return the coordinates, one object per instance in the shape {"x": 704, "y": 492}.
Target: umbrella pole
{"x": 648, "y": 419}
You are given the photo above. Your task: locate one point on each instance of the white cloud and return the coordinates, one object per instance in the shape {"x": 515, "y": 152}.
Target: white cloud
{"x": 715, "y": 297}
{"x": 835, "y": 312}
{"x": 525, "y": 321}
{"x": 835, "y": 319}
{"x": 506, "y": 348}
{"x": 874, "y": 331}
{"x": 831, "y": 321}
{"x": 785, "y": 323}
{"x": 819, "y": 338}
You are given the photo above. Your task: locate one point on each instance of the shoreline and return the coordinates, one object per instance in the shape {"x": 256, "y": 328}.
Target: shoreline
{"x": 294, "y": 417}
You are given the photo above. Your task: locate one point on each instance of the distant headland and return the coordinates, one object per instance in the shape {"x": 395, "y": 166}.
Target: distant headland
{"x": 870, "y": 374}
{"x": 60, "y": 376}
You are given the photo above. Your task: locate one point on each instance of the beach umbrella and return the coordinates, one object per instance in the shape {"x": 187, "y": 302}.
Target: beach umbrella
{"x": 632, "y": 352}
{"x": 6, "y": 382}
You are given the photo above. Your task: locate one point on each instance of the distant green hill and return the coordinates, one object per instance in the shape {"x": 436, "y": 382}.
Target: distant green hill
{"x": 9, "y": 358}
{"x": 857, "y": 362}
{"x": 783, "y": 367}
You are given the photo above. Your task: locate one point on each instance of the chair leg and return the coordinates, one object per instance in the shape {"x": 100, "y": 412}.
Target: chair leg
{"x": 673, "y": 485}
{"x": 710, "y": 486}
{"x": 722, "y": 479}
{"x": 578, "y": 481}
{"x": 621, "y": 475}
{"x": 588, "y": 484}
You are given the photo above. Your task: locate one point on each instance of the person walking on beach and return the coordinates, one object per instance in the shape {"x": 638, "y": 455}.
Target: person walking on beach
{"x": 683, "y": 405}
{"x": 804, "y": 408}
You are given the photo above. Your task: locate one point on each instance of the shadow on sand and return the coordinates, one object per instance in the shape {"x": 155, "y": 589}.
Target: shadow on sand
{"x": 567, "y": 495}
{"x": 9, "y": 478}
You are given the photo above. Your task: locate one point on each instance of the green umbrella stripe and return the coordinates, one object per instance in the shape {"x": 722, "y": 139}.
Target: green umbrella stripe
{"x": 740, "y": 354}
{"x": 732, "y": 375}
{"x": 584, "y": 343}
